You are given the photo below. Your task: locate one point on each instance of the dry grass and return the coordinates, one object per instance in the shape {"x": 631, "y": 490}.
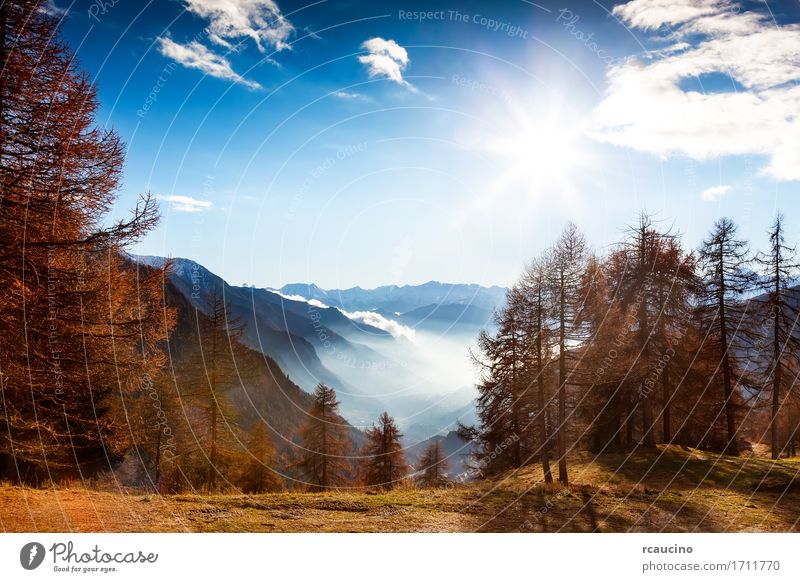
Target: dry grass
{"x": 673, "y": 489}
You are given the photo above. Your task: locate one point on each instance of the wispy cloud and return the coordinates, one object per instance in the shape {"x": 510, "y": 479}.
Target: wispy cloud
{"x": 367, "y": 317}
{"x": 715, "y": 193}
{"x": 347, "y": 95}
{"x": 195, "y": 55}
{"x": 647, "y": 109}
{"x": 231, "y": 20}
{"x": 313, "y": 302}
{"x": 377, "y": 320}
{"x": 49, "y": 7}
{"x": 387, "y": 59}
{"x": 186, "y": 203}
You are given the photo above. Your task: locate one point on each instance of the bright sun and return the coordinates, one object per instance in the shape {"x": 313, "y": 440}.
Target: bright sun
{"x": 535, "y": 151}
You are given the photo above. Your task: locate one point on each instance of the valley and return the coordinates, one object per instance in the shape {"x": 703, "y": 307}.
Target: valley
{"x": 402, "y": 349}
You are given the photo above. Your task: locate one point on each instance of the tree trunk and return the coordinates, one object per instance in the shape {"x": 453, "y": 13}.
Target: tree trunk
{"x": 212, "y": 473}
{"x": 665, "y": 412}
{"x": 776, "y": 378}
{"x": 543, "y": 438}
{"x": 562, "y": 391}
{"x": 644, "y": 347}
{"x": 629, "y": 420}
{"x": 731, "y": 448}
{"x": 158, "y": 457}
{"x": 324, "y": 478}
{"x": 516, "y": 403}
{"x": 3, "y": 22}
{"x": 647, "y": 423}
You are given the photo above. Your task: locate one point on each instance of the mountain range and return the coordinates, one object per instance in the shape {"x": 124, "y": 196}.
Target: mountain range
{"x": 401, "y": 298}
{"x": 398, "y": 348}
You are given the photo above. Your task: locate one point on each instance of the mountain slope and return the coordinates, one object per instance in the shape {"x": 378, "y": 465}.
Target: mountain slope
{"x": 424, "y": 381}
{"x": 259, "y": 392}
{"x": 290, "y": 332}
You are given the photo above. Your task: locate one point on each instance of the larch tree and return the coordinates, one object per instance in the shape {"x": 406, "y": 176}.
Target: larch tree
{"x": 779, "y": 271}
{"x": 725, "y": 264}
{"x": 383, "y": 461}
{"x": 325, "y": 443}
{"x": 81, "y": 324}
{"x": 504, "y": 395}
{"x": 677, "y": 286}
{"x": 153, "y": 415}
{"x": 655, "y": 279}
{"x": 538, "y": 315}
{"x": 567, "y": 264}
{"x": 432, "y": 466}
{"x": 606, "y": 403}
{"x": 218, "y": 333}
{"x": 260, "y": 466}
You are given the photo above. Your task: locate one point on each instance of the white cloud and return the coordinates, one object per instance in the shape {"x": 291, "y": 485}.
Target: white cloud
{"x": 366, "y": 317}
{"x": 646, "y": 109}
{"x": 715, "y": 193}
{"x": 381, "y": 322}
{"x": 186, "y": 203}
{"x": 49, "y": 7}
{"x": 347, "y": 95}
{"x": 387, "y": 59}
{"x": 653, "y": 14}
{"x": 229, "y": 20}
{"x": 300, "y": 298}
{"x": 196, "y": 56}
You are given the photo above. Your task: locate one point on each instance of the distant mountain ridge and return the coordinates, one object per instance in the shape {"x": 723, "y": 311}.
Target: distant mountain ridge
{"x": 400, "y": 299}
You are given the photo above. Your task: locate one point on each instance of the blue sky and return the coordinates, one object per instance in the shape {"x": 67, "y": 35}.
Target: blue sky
{"x": 357, "y": 143}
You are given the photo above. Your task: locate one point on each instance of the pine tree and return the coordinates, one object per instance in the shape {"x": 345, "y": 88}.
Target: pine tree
{"x": 725, "y": 261}
{"x": 432, "y": 466}
{"x": 383, "y": 460}
{"x": 325, "y": 442}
